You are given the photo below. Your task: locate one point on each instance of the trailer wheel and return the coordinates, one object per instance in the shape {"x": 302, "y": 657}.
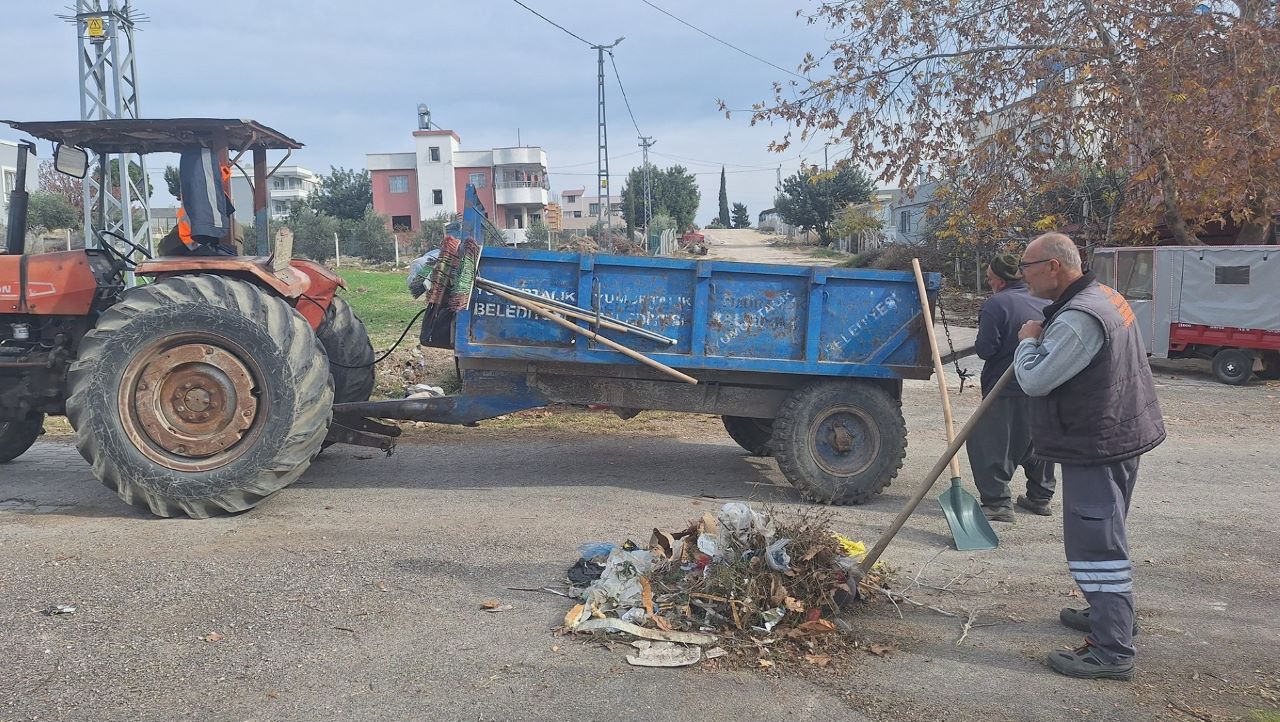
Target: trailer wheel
{"x": 840, "y": 442}
{"x": 198, "y": 395}
{"x": 1270, "y": 366}
{"x": 18, "y": 436}
{"x": 751, "y": 434}
{"x": 1233, "y": 366}
{"x": 346, "y": 342}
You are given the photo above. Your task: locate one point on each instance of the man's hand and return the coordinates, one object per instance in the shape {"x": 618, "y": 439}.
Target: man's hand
{"x": 1030, "y": 329}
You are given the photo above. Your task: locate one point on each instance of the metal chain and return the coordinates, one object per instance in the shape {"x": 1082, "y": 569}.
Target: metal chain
{"x": 946, "y": 330}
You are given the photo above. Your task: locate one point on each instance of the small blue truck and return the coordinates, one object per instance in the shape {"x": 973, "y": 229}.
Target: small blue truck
{"x": 804, "y": 363}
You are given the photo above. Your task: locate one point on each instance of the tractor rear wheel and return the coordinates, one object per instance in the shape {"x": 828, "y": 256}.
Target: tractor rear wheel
{"x": 18, "y": 436}
{"x": 199, "y": 395}
{"x": 840, "y": 442}
{"x": 346, "y": 341}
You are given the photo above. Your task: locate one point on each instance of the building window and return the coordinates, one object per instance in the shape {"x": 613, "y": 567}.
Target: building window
{"x": 476, "y": 179}
{"x": 535, "y": 218}
{"x": 437, "y": 197}
{"x": 577, "y": 214}
{"x": 277, "y": 184}
{"x": 401, "y": 223}
{"x": 904, "y": 222}
{"x": 570, "y": 199}
{"x": 10, "y": 184}
{"x": 434, "y": 154}
{"x": 594, "y": 209}
{"x": 398, "y": 183}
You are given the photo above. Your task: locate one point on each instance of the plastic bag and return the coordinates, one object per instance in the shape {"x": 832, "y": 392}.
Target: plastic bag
{"x": 739, "y": 520}
{"x": 776, "y": 555}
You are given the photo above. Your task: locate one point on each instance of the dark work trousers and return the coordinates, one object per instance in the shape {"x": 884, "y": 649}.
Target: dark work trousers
{"x": 1095, "y": 502}
{"x": 999, "y": 444}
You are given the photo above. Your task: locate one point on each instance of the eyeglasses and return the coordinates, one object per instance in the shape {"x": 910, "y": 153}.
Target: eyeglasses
{"x": 1024, "y": 264}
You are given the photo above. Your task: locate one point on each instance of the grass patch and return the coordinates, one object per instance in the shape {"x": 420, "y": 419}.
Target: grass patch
{"x": 826, "y": 253}
{"x": 381, "y": 299}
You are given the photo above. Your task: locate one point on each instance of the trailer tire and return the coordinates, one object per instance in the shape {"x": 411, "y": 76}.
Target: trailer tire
{"x": 18, "y": 436}
{"x": 199, "y": 395}
{"x": 754, "y": 435}
{"x": 840, "y": 442}
{"x": 346, "y": 342}
{"x": 1233, "y": 366}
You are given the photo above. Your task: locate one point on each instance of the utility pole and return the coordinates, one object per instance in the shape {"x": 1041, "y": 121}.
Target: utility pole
{"x": 109, "y": 91}
{"x": 603, "y": 215}
{"x": 647, "y": 142}
{"x": 825, "y": 162}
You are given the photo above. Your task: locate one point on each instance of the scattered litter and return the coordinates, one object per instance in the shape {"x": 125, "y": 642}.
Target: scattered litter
{"x": 765, "y": 663}
{"x": 493, "y": 606}
{"x": 211, "y": 637}
{"x": 59, "y": 609}
{"x": 715, "y": 653}
{"x": 751, "y": 577}
{"x": 657, "y": 635}
{"x": 422, "y": 391}
{"x": 664, "y": 654}
{"x": 882, "y": 650}
{"x": 820, "y": 660}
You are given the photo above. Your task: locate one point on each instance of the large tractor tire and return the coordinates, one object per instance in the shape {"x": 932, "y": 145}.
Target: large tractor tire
{"x": 18, "y": 436}
{"x": 346, "y": 342}
{"x": 199, "y": 395}
{"x": 753, "y": 435}
{"x": 840, "y": 442}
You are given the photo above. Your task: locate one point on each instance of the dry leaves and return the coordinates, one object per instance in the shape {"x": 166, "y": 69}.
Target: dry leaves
{"x": 882, "y": 650}
{"x": 211, "y": 637}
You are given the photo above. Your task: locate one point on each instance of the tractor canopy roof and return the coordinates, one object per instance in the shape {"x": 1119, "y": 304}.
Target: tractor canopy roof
{"x": 159, "y": 135}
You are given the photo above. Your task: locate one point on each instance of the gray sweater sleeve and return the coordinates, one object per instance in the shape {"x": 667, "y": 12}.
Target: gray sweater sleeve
{"x": 1066, "y": 347}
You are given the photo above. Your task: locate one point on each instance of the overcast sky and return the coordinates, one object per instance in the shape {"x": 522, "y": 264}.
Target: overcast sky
{"x": 346, "y": 78}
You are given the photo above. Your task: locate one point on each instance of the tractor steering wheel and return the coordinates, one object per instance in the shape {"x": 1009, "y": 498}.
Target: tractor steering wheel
{"x": 115, "y": 253}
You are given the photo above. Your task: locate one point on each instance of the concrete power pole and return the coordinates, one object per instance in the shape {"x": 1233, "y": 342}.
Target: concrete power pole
{"x": 109, "y": 91}
{"x": 647, "y": 142}
{"x": 603, "y": 215}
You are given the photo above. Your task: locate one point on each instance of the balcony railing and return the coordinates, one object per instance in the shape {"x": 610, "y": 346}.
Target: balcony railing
{"x": 544, "y": 185}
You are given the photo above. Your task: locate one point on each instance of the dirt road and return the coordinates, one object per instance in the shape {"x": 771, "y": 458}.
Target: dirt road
{"x": 751, "y": 246}
{"x": 355, "y": 593}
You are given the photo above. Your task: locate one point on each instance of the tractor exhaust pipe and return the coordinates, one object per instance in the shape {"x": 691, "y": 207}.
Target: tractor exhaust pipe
{"x": 15, "y": 242}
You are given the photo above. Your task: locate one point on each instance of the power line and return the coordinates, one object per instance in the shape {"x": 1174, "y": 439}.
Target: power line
{"x": 723, "y": 42}
{"x": 624, "y": 95}
{"x": 579, "y": 38}
{"x": 719, "y": 163}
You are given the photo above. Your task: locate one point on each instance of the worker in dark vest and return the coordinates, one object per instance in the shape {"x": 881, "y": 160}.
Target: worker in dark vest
{"x": 1001, "y": 442}
{"x": 205, "y": 216}
{"x": 1094, "y": 411}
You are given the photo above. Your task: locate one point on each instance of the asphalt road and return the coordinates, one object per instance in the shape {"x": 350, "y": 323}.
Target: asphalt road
{"x": 355, "y": 593}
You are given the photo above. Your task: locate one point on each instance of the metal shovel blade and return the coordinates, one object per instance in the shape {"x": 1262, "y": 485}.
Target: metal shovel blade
{"x": 969, "y": 526}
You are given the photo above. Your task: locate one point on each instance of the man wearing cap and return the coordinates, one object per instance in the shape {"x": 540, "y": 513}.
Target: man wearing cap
{"x": 1001, "y": 442}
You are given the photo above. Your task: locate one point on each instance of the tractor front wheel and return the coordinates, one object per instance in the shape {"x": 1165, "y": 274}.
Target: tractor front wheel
{"x": 18, "y": 436}
{"x": 199, "y": 395}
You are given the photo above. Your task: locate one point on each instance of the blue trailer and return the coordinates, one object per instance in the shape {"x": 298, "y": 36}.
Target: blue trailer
{"x": 804, "y": 363}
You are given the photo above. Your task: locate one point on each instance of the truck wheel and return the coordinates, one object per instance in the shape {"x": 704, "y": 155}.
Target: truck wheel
{"x": 1233, "y": 366}
{"x": 840, "y": 442}
{"x": 751, "y": 434}
{"x": 1270, "y": 366}
{"x": 346, "y": 342}
{"x": 18, "y": 436}
{"x": 199, "y": 394}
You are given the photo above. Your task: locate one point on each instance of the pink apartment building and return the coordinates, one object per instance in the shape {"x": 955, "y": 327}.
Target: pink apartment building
{"x": 410, "y": 187}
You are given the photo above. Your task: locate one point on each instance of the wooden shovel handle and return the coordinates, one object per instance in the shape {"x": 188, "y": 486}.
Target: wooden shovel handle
{"x": 934, "y": 473}
{"x": 937, "y": 361}
{"x": 551, "y": 315}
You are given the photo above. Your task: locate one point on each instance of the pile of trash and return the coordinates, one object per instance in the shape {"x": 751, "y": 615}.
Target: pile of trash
{"x": 736, "y": 573}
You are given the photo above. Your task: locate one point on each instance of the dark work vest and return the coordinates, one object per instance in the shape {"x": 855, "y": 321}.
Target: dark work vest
{"x": 1108, "y": 412}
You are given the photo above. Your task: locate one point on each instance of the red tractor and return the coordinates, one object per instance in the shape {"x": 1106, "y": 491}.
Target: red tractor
{"x": 205, "y": 388}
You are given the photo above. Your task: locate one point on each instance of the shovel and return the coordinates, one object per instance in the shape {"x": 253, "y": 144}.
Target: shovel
{"x": 970, "y": 529}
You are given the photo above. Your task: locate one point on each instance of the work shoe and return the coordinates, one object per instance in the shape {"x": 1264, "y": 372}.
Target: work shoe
{"x": 998, "y": 513}
{"x": 1078, "y": 619}
{"x": 1084, "y": 664}
{"x": 1035, "y": 506}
